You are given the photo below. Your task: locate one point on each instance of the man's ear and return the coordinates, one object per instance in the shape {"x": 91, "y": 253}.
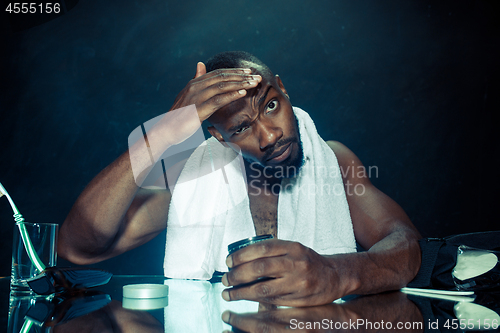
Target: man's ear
{"x": 280, "y": 84}
{"x": 216, "y": 134}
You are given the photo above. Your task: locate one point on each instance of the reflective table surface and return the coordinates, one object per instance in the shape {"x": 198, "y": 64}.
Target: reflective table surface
{"x": 197, "y": 306}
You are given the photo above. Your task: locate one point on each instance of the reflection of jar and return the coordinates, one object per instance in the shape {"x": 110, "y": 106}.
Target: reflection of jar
{"x": 233, "y": 247}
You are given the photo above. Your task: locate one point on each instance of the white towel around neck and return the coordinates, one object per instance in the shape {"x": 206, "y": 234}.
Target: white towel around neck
{"x": 211, "y": 209}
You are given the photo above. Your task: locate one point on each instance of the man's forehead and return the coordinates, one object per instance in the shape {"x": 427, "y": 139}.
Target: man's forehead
{"x": 224, "y": 117}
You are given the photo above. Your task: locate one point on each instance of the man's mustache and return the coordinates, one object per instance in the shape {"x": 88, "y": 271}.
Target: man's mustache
{"x": 278, "y": 145}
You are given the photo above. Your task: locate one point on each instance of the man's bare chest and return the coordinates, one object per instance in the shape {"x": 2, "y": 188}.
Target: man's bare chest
{"x": 264, "y": 211}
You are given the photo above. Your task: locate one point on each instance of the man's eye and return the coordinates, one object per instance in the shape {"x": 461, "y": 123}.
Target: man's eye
{"x": 242, "y": 129}
{"x": 271, "y": 106}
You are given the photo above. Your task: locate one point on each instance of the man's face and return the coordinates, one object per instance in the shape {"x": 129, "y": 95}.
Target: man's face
{"x": 262, "y": 124}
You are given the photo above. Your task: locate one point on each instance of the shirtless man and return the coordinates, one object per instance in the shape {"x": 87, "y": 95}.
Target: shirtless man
{"x": 249, "y": 107}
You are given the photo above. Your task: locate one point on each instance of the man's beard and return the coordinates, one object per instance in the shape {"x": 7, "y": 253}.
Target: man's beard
{"x": 288, "y": 170}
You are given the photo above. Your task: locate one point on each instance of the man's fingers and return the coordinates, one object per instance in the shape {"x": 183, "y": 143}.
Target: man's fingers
{"x": 226, "y": 74}
{"x": 267, "y": 248}
{"x": 270, "y": 291}
{"x": 227, "y": 71}
{"x": 221, "y": 89}
{"x": 223, "y": 93}
{"x": 224, "y": 83}
{"x": 210, "y": 106}
{"x": 272, "y": 267}
{"x": 253, "y": 322}
{"x": 222, "y": 75}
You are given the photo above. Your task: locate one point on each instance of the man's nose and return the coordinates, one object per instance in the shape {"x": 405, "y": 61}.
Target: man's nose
{"x": 269, "y": 134}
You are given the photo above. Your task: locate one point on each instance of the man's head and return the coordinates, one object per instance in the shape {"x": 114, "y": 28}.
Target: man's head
{"x": 262, "y": 123}
{"x": 237, "y": 59}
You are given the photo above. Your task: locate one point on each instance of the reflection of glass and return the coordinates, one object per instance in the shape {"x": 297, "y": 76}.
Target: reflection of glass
{"x": 43, "y": 237}
{"x": 18, "y": 307}
{"x": 44, "y": 312}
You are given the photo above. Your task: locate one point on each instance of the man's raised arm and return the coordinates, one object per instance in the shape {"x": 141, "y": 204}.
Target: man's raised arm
{"x": 113, "y": 214}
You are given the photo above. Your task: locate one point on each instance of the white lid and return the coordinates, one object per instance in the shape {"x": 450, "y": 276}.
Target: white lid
{"x": 145, "y": 291}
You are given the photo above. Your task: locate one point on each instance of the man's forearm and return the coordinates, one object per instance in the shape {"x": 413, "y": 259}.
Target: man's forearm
{"x": 388, "y": 265}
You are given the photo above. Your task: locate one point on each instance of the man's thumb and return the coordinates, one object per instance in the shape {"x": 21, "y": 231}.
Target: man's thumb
{"x": 200, "y": 69}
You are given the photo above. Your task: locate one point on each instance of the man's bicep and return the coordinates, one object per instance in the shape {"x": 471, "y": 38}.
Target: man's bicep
{"x": 374, "y": 214}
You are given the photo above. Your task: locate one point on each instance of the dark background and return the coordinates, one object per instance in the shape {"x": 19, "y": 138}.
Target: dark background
{"x": 410, "y": 86}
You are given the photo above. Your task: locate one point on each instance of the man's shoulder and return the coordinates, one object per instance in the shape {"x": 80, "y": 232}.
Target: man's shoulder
{"x": 348, "y": 162}
{"x": 339, "y": 149}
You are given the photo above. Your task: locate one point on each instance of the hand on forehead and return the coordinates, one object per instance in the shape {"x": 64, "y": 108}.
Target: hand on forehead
{"x": 246, "y": 103}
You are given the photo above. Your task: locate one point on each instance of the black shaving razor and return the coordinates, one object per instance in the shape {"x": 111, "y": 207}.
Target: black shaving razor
{"x": 63, "y": 308}
{"x": 59, "y": 280}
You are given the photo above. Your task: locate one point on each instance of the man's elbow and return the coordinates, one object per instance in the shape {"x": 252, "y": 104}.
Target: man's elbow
{"x": 67, "y": 253}
{"x": 68, "y": 249}
{"x": 414, "y": 260}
